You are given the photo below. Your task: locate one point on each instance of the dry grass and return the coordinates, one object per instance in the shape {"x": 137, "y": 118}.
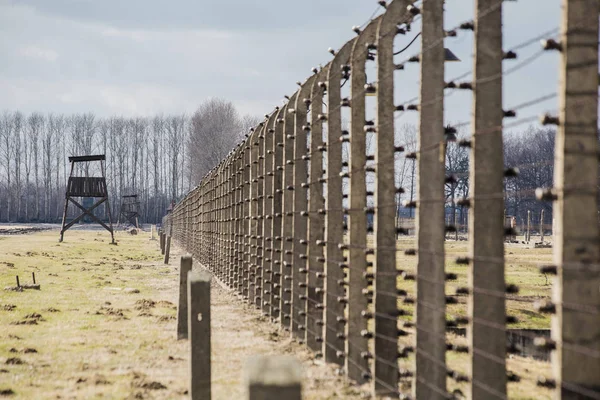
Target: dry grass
{"x": 83, "y": 336}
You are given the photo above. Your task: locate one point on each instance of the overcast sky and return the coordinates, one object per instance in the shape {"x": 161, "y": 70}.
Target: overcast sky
{"x": 142, "y": 57}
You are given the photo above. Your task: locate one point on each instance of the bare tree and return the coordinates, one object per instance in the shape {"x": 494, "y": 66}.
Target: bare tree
{"x": 215, "y": 129}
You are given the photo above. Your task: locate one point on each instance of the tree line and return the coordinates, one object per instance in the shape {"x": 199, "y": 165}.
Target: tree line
{"x": 159, "y": 158}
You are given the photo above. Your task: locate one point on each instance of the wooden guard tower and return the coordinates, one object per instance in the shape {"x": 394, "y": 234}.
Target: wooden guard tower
{"x": 129, "y": 210}
{"x": 85, "y": 186}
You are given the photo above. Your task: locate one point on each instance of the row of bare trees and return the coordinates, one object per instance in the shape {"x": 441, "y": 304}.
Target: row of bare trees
{"x": 158, "y": 158}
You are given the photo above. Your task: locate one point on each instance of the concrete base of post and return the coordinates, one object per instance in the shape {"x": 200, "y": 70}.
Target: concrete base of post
{"x": 198, "y": 293}
{"x": 273, "y": 378}
{"x": 182, "y": 308}
{"x": 167, "y": 249}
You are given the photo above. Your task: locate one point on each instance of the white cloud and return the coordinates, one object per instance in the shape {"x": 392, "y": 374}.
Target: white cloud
{"x": 39, "y": 53}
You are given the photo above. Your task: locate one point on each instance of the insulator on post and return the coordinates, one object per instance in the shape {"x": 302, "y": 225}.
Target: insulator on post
{"x": 546, "y": 194}
{"x": 548, "y": 119}
{"x": 509, "y": 55}
{"x": 549, "y": 269}
{"x": 551, "y": 44}
{"x": 462, "y": 260}
{"x": 467, "y": 26}
{"x": 545, "y": 306}
{"x": 464, "y": 143}
{"x": 413, "y": 9}
{"x": 546, "y": 382}
{"x": 512, "y": 288}
{"x": 512, "y": 172}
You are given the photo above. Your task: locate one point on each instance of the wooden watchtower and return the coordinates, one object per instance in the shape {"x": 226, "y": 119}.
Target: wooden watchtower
{"x": 129, "y": 210}
{"x": 87, "y": 186}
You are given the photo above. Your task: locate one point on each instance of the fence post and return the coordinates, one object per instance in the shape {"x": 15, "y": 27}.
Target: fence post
{"x": 299, "y": 248}
{"x": 162, "y": 242}
{"x": 254, "y": 291}
{"x": 542, "y": 227}
{"x": 260, "y": 167}
{"x": 268, "y": 253}
{"x": 576, "y": 327}
{"x": 357, "y": 363}
{"x": 278, "y": 189}
{"x": 182, "y": 310}
{"x": 528, "y": 226}
{"x": 430, "y": 223}
{"x": 288, "y": 213}
{"x": 335, "y": 339}
{"x": 199, "y": 334}
{"x": 385, "y": 300}
{"x": 487, "y": 315}
{"x": 167, "y": 249}
{"x": 246, "y": 220}
{"x": 316, "y": 238}
{"x": 273, "y": 378}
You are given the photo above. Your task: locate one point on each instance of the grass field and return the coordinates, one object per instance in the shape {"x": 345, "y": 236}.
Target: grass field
{"x": 103, "y": 323}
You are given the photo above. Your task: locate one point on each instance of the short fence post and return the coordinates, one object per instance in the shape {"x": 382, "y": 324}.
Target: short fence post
{"x": 528, "y": 238}
{"x": 273, "y": 378}
{"x": 198, "y": 293}
{"x": 162, "y": 242}
{"x": 182, "y": 310}
{"x": 167, "y": 249}
{"x": 542, "y": 227}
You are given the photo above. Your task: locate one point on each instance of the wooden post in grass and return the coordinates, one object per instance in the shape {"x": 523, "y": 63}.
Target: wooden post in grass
{"x": 198, "y": 294}
{"x": 273, "y": 378}
{"x": 167, "y": 249}
{"x": 542, "y": 227}
{"x": 182, "y": 308}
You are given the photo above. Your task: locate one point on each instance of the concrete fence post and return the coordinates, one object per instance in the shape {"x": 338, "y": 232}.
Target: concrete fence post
{"x": 162, "y": 241}
{"x": 167, "y": 249}
{"x": 182, "y": 309}
{"x": 198, "y": 293}
{"x": 335, "y": 340}
{"x": 357, "y": 344}
{"x": 430, "y": 330}
{"x": 576, "y": 293}
{"x": 273, "y": 378}
{"x": 487, "y": 313}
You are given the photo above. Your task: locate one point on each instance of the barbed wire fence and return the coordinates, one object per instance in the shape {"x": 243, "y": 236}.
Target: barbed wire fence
{"x": 300, "y": 218}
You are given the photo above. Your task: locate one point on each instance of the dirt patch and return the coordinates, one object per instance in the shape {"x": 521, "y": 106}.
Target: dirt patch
{"x": 144, "y": 304}
{"x": 145, "y": 314}
{"x": 100, "y": 380}
{"x": 8, "y": 307}
{"x": 52, "y": 310}
{"x": 165, "y": 318}
{"x": 112, "y": 312}
{"x": 14, "y": 361}
{"x": 6, "y": 392}
{"x": 166, "y": 304}
{"x": 140, "y": 381}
